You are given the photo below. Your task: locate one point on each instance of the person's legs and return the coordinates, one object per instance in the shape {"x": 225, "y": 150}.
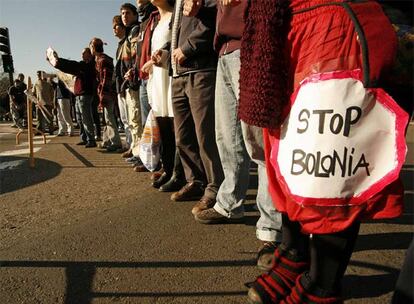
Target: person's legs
{"x": 95, "y": 116}
{"x": 185, "y": 135}
{"x": 134, "y": 118}
{"x": 329, "y": 258}
{"x": 232, "y": 150}
{"x": 123, "y": 113}
{"x": 290, "y": 261}
{"x": 48, "y": 115}
{"x": 85, "y": 106}
{"x": 330, "y": 255}
{"x": 268, "y": 227}
{"x": 166, "y": 127}
{"x": 317, "y": 282}
{"x": 64, "y": 105}
{"x": 143, "y": 101}
{"x": 13, "y": 114}
{"x": 82, "y": 133}
{"x": 62, "y": 126}
{"x": 186, "y": 142}
{"x": 201, "y": 88}
{"x": 40, "y": 120}
{"x": 17, "y": 116}
{"x": 168, "y": 143}
{"x": 111, "y": 127}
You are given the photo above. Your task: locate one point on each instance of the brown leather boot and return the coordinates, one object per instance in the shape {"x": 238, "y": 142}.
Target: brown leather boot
{"x": 190, "y": 192}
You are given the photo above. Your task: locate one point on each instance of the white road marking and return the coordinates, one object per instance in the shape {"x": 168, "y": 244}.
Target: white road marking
{"x": 18, "y": 152}
{"x": 35, "y": 142}
{"x": 5, "y": 134}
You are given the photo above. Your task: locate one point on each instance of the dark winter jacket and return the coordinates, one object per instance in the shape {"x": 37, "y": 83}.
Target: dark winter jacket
{"x": 61, "y": 91}
{"x": 85, "y": 82}
{"x": 195, "y": 39}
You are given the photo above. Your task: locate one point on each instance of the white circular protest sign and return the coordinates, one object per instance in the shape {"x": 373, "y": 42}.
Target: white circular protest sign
{"x": 340, "y": 143}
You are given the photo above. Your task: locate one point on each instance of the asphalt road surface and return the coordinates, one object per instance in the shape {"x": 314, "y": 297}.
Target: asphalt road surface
{"x": 82, "y": 227}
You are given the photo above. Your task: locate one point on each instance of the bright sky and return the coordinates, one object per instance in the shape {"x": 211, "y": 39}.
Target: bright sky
{"x": 66, "y": 25}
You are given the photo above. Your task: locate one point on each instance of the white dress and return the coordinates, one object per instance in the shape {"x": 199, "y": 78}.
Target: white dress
{"x": 159, "y": 82}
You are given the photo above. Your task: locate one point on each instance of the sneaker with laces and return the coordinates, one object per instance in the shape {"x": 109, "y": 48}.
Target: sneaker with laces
{"x": 211, "y": 216}
{"x": 266, "y": 255}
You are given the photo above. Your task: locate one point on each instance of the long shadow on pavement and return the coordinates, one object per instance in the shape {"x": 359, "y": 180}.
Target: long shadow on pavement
{"x": 16, "y": 174}
{"x": 380, "y": 241}
{"x": 80, "y": 276}
{"x": 372, "y": 285}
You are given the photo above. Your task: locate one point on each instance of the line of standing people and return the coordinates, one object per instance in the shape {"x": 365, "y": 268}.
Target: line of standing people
{"x": 186, "y": 72}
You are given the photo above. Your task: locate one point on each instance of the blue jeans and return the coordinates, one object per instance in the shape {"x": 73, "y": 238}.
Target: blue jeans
{"x": 238, "y": 144}
{"x": 85, "y": 119}
{"x": 143, "y": 100}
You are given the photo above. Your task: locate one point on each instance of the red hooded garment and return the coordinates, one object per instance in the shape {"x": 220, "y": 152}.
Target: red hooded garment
{"x": 321, "y": 37}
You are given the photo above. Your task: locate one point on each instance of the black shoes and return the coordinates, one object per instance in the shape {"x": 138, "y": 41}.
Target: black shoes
{"x": 172, "y": 185}
{"x": 164, "y": 178}
{"x": 90, "y": 144}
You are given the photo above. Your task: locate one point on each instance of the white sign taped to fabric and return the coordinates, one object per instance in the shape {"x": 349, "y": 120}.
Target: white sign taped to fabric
{"x": 340, "y": 143}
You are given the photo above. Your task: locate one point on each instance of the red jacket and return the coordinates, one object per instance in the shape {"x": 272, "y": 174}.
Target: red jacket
{"x": 319, "y": 39}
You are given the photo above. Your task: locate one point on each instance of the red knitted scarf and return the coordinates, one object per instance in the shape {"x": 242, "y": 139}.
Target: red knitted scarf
{"x": 264, "y": 68}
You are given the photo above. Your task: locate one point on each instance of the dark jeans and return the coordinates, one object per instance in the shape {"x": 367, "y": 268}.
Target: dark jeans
{"x": 18, "y": 114}
{"x": 84, "y": 117}
{"x": 193, "y": 105}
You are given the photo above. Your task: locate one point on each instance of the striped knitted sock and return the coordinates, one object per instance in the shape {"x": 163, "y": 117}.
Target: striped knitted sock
{"x": 300, "y": 295}
{"x": 273, "y": 286}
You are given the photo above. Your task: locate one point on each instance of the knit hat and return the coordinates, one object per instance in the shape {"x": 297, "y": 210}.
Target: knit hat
{"x": 264, "y": 64}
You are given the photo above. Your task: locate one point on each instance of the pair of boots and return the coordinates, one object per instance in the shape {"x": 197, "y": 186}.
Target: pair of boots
{"x": 288, "y": 283}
